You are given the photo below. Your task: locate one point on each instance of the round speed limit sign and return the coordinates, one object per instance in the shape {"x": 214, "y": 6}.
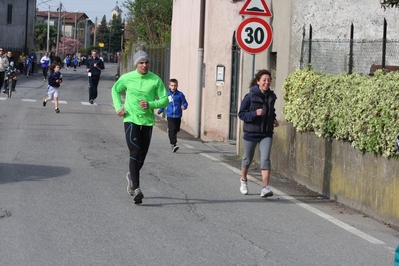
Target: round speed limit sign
{"x": 254, "y": 35}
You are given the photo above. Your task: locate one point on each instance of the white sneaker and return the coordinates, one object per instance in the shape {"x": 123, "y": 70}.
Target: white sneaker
{"x": 244, "y": 187}
{"x": 266, "y": 192}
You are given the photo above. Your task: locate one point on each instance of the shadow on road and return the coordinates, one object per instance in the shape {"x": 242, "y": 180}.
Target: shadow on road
{"x": 10, "y": 172}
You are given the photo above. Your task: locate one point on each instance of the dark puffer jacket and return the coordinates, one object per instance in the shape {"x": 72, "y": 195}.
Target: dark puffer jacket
{"x": 258, "y": 127}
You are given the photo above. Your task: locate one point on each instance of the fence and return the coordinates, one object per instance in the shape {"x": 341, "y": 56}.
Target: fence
{"x": 159, "y": 60}
{"x": 350, "y": 55}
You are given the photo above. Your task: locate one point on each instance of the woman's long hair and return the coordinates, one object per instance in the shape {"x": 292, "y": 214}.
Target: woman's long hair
{"x": 258, "y": 76}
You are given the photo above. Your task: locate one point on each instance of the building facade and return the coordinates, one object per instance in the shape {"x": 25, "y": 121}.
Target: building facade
{"x": 17, "y": 26}
{"x": 75, "y": 25}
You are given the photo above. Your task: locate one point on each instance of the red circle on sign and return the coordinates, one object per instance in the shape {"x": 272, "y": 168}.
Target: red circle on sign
{"x": 248, "y": 25}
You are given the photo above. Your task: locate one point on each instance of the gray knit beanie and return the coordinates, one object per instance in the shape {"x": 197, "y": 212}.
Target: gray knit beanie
{"x": 140, "y": 56}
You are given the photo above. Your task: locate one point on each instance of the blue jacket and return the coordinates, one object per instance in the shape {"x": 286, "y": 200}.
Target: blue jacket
{"x": 27, "y": 62}
{"x": 45, "y": 61}
{"x": 176, "y": 101}
{"x": 258, "y": 127}
{"x": 52, "y": 77}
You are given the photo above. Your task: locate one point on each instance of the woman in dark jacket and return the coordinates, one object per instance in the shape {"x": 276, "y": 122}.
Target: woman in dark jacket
{"x": 259, "y": 116}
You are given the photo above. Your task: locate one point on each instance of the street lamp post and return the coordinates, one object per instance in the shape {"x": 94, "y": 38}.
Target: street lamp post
{"x": 48, "y": 21}
{"x": 95, "y": 32}
{"x": 109, "y": 44}
{"x": 48, "y": 30}
{"x": 74, "y": 32}
{"x": 87, "y": 19}
{"x": 123, "y": 33}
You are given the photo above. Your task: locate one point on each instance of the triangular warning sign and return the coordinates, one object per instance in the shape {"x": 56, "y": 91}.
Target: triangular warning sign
{"x": 256, "y": 8}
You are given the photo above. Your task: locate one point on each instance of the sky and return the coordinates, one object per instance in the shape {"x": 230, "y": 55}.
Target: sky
{"x": 92, "y": 8}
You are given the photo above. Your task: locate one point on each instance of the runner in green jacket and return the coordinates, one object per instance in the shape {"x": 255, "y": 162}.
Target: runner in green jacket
{"x": 145, "y": 92}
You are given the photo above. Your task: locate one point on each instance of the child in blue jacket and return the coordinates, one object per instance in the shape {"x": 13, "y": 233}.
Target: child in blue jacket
{"x": 54, "y": 81}
{"x": 174, "y": 112}
{"x": 75, "y": 62}
{"x": 27, "y": 65}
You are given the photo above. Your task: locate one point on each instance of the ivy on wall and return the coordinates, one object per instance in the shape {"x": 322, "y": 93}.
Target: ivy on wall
{"x": 355, "y": 108}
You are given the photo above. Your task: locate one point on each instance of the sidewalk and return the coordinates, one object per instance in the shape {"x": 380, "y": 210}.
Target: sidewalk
{"x": 230, "y": 157}
{"x": 225, "y": 148}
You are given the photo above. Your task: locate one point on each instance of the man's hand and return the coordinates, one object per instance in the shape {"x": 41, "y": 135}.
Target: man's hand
{"x": 143, "y": 104}
{"x": 121, "y": 112}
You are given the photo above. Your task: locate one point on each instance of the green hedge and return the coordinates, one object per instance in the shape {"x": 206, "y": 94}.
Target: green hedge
{"x": 349, "y": 107}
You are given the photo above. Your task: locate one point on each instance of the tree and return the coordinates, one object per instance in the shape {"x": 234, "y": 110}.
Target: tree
{"x": 116, "y": 32}
{"x": 103, "y": 33}
{"x": 152, "y": 20}
{"x": 41, "y": 36}
{"x": 68, "y": 45}
{"x": 389, "y": 3}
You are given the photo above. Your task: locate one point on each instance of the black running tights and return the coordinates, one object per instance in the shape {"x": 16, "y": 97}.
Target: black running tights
{"x": 138, "y": 139}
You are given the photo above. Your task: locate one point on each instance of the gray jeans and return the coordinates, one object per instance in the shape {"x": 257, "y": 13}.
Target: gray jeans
{"x": 265, "y": 146}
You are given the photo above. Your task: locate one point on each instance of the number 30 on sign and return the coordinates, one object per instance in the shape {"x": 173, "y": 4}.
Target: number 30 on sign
{"x": 254, "y": 35}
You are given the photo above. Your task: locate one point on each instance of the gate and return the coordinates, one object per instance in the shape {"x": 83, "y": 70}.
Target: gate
{"x": 235, "y": 76}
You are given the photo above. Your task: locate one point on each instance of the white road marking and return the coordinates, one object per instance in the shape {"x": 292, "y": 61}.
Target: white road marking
{"x": 319, "y": 213}
{"x": 189, "y": 146}
{"x": 87, "y": 103}
{"x": 60, "y": 102}
{"x": 28, "y": 100}
{"x": 210, "y": 157}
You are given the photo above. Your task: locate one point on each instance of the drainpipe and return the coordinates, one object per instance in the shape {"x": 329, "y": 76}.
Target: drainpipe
{"x": 199, "y": 71}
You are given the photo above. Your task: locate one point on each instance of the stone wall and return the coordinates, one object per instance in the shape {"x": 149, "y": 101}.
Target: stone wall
{"x": 365, "y": 182}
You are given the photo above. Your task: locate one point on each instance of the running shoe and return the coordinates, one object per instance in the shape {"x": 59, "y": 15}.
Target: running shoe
{"x": 266, "y": 192}
{"x": 138, "y": 196}
{"x": 244, "y": 187}
{"x": 175, "y": 148}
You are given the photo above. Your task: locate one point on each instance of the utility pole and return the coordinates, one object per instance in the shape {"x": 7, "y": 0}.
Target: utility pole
{"x": 95, "y": 32}
{"x": 85, "y": 33}
{"x": 74, "y": 32}
{"x": 58, "y": 28}
{"x": 48, "y": 30}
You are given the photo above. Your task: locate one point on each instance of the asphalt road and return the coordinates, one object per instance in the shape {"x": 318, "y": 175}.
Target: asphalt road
{"x": 63, "y": 198}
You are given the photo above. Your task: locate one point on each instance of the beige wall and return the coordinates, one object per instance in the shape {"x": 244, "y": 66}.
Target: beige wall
{"x": 222, "y": 19}
{"x": 184, "y": 54}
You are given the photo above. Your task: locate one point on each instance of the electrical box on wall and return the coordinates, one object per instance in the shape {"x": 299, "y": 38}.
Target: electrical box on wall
{"x": 220, "y": 69}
